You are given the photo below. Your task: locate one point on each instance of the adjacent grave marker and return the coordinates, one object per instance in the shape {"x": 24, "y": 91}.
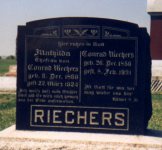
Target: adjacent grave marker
{"x": 83, "y": 74}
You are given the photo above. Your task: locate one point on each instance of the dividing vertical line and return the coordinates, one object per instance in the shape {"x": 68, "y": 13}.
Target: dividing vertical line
{"x": 80, "y": 78}
{"x": 25, "y": 59}
{"x": 136, "y": 60}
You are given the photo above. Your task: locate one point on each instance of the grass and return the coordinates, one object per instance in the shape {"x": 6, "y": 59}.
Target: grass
{"x": 7, "y": 110}
{"x": 156, "y": 119}
{"x": 4, "y": 65}
{"x": 8, "y": 104}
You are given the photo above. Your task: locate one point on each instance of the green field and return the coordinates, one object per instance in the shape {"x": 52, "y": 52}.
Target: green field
{"x": 7, "y": 111}
{"x": 4, "y": 65}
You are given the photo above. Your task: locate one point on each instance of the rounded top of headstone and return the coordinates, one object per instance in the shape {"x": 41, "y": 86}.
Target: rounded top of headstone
{"x": 81, "y": 21}
{"x": 117, "y": 25}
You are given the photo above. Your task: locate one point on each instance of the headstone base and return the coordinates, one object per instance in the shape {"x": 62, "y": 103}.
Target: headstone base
{"x": 34, "y": 140}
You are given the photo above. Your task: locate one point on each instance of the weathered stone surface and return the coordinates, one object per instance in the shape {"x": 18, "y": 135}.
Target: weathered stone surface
{"x": 12, "y": 71}
{"x": 11, "y": 139}
{"x": 154, "y": 6}
{"x": 156, "y": 68}
{"x": 8, "y": 84}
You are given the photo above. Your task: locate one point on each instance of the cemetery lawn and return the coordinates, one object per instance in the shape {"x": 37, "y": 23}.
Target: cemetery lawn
{"x": 156, "y": 120}
{"x": 8, "y": 110}
{"x": 4, "y": 65}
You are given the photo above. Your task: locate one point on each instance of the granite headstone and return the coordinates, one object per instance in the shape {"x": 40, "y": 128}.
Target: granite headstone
{"x": 83, "y": 74}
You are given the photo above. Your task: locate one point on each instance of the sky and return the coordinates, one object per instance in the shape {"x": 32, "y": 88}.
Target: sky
{"x": 18, "y": 12}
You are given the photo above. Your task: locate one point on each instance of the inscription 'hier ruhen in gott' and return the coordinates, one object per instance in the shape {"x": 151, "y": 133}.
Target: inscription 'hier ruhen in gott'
{"x": 83, "y": 74}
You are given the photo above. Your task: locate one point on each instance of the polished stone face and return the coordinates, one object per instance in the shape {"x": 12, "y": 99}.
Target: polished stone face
{"x": 83, "y": 74}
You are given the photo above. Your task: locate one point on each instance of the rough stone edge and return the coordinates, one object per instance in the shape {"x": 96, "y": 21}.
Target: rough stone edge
{"x": 7, "y": 141}
{"x": 70, "y": 145}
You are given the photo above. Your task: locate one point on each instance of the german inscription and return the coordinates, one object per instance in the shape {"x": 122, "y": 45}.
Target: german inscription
{"x": 80, "y": 77}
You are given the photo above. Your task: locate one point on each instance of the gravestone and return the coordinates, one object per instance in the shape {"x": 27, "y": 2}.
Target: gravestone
{"x": 83, "y": 74}
{"x": 12, "y": 71}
